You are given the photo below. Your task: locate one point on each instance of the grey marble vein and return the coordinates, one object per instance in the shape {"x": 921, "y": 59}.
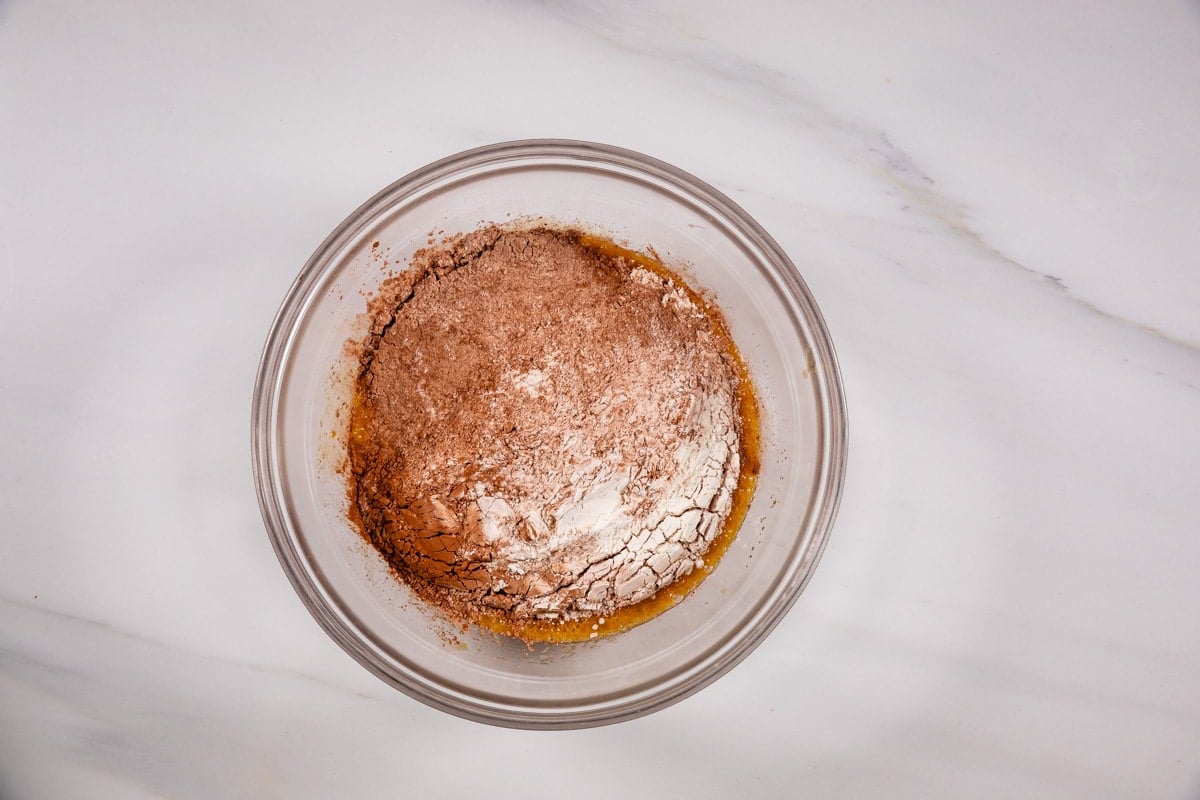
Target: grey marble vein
{"x": 57, "y": 669}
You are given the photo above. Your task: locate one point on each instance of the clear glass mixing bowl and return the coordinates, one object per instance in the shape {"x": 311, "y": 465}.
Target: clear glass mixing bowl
{"x": 299, "y": 439}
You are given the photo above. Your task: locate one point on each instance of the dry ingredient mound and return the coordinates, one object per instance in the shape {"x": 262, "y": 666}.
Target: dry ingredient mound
{"x": 543, "y": 429}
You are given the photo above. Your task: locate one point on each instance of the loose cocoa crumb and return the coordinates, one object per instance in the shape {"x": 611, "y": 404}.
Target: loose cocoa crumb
{"x": 542, "y": 428}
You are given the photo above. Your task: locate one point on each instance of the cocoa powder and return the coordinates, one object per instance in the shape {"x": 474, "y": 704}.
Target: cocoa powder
{"x": 542, "y": 429}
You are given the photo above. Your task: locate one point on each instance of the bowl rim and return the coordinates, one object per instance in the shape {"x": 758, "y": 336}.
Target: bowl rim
{"x": 272, "y": 370}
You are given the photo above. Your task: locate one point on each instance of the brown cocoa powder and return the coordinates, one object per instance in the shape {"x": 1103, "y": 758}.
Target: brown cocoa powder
{"x": 542, "y": 429}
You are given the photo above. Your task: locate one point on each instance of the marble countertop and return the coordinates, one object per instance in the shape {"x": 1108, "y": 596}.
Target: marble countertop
{"x": 996, "y": 205}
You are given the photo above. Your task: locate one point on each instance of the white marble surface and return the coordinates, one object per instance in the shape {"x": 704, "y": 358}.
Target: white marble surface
{"x": 997, "y": 206}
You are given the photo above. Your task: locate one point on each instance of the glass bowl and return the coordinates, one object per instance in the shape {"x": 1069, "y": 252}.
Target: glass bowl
{"x": 306, "y": 375}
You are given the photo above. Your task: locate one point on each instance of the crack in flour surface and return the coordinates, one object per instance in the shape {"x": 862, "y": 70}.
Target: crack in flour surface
{"x": 543, "y": 428}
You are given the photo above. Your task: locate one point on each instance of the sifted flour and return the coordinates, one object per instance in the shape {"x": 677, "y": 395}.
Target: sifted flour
{"x": 543, "y": 429}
